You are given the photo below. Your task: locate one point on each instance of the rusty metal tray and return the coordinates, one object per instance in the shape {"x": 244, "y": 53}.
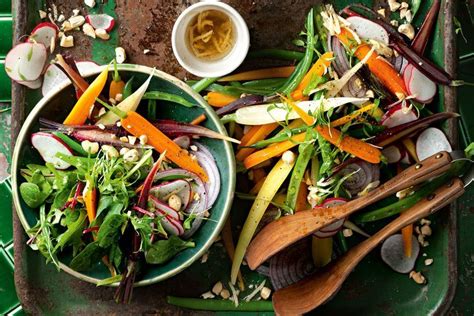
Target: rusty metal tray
{"x": 146, "y": 24}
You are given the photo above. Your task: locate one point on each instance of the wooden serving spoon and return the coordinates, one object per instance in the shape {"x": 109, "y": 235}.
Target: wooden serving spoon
{"x": 314, "y": 290}
{"x": 281, "y": 233}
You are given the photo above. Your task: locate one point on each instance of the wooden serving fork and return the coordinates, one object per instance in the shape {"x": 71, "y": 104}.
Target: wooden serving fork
{"x": 289, "y": 229}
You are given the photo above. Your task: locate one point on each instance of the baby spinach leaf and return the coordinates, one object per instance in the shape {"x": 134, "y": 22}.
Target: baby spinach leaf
{"x": 115, "y": 255}
{"x": 110, "y": 229}
{"x": 85, "y": 259}
{"x": 72, "y": 229}
{"x": 32, "y": 195}
{"x": 164, "y": 250}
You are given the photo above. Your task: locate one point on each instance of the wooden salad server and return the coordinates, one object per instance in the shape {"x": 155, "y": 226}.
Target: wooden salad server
{"x": 311, "y": 292}
{"x": 283, "y": 232}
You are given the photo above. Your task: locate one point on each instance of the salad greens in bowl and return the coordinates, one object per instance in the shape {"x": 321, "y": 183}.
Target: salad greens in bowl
{"x": 127, "y": 193}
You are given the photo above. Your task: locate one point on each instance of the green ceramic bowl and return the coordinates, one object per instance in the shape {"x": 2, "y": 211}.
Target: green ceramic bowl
{"x": 55, "y": 106}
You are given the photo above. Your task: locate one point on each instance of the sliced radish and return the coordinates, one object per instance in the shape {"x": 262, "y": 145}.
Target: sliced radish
{"x": 393, "y": 254}
{"x": 101, "y": 21}
{"x": 44, "y": 33}
{"x": 431, "y": 141}
{"x": 171, "y": 225}
{"x": 368, "y": 30}
{"x": 34, "y": 84}
{"x": 163, "y": 207}
{"x": 53, "y": 78}
{"x": 397, "y": 115}
{"x": 87, "y": 68}
{"x": 333, "y": 228}
{"x": 25, "y": 61}
{"x": 48, "y": 145}
{"x": 393, "y": 153}
{"x": 180, "y": 187}
{"x": 418, "y": 85}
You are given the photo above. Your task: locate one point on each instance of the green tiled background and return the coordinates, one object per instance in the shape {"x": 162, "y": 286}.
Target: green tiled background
{"x": 463, "y": 303}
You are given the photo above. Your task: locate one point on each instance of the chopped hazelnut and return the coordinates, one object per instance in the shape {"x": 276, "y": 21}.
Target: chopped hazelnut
{"x": 88, "y": 30}
{"x": 67, "y": 41}
{"x": 42, "y": 14}
{"x": 426, "y": 230}
{"x": 265, "y": 293}
{"x": 225, "y": 294}
{"x": 102, "y": 34}
{"x": 217, "y": 288}
{"x": 417, "y": 277}
{"x": 381, "y": 12}
{"x": 120, "y": 55}
{"x": 394, "y": 5}
{"x": 428, "y": 262}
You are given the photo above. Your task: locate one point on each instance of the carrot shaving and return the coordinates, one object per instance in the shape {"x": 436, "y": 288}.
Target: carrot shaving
{"x": 346, "y": 119}
{"x": 218, "y": 99}
{"x": 256, "y": 133}
{"x": 318, "y": 69}
{"x": 276, "y": 72}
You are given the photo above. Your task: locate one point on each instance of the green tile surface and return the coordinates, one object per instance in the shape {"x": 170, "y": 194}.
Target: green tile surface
{"x": 6, "y": 231}
{"x": 5, "y": 7}
{"x": 5, "y": 35}
{"x": 8, "y": 298}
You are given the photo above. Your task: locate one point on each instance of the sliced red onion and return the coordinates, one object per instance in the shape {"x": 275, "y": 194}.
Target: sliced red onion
{"x": 183, "y": 141}
{"x": 171, "y": 225}
{"x": 291, "y": 265}
{"x": 207, "y": 162}
{"x": 180, "y": 187}
{"x": 399, "y": 63}
{"x": 163, "y": 207}
{"x": 363, "y": 173}
{"x": 333, "y": 228}
{"x": 143, "y": 211}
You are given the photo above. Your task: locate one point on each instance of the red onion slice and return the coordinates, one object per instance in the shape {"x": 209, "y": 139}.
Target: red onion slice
{"x": 358, "y": 181}
{"x": 163, "y": 207}
{"x": 333, "y": 228}
{"x": 206, "y": 160}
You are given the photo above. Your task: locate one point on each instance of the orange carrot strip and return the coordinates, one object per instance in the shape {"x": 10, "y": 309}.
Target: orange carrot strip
{"x": 345, "y": 119}
{"x": 198, "y": 120}
{"x": 308, "y": 119}
{"x": 116, "y": 87}
{"x": 80, "y": 111}
{"x": 258, "y": 174}
{"x": 250, "y": 133}
{"x": 90, "y": 200}
{"x": 218, "y": 99}
{"x": 276, "y": 72}
{"x": 301, "y": 199}
{"x": 273, "y": 151}
{"x": 137, "y": 125}
{"x": 407, "y": 233}
{"x": 381, "y": 68}
{"x": 318, "y": 69}
{"x": 258, "y": 133}
{"x": 350, "y": 145}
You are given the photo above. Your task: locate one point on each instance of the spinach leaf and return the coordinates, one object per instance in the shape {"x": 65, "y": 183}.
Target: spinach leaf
{"x": 115, "y": 255}
{"x": 164, "y": 250}
{"x": 32, "y": 195}
{"x": 85, "y": 259}
{"x": 109, "y": 231}
{"x": 73, "y": 229}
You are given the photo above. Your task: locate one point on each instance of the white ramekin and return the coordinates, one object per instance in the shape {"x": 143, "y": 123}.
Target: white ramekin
{"x": 210, "y": 68}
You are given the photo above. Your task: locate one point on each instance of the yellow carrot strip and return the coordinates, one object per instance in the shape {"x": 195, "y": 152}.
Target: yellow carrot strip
{"x": 137, "y": 125}
{"x": 407, "y": 233}
{"x": 229, "y": 246}
{"x": 80, "y": 111}
{"x": 351, "y": 145}
{"x": 218, "y": 99}
{"x": 382, "y": 69}
{"x": 318, "y": 69}
{"x": 345, "y": 119}
{"x": 273, "y": 151}
{"x": 321, "y": 249}
{"x": 308, "y": 119}
{"x": 270, "y": 187}
{"x": 90, "y": 200}
{"x": 258, "y": 133}
{"x": 276, "y": 72}
{"x": 411, "y": 148}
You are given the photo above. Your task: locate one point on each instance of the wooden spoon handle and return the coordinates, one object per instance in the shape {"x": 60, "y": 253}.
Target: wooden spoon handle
{"x": 289, "y": 229}
{"x": 313, "y": 291}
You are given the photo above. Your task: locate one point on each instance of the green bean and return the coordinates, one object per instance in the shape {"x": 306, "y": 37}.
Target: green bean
{"x": 203, "y": 84}
{"x": 368, "y": 130}
{"x": 305, "y": 63}
{"x": 237, "y": 91}
{"x": 276, "y": 54}
{"x": 151, "y": 109}
{"x": 314, "y": 170}
{"x": 220, "y": 305}
{"x": 71, "y": 143}
{"x": 321, "y": 29}
{"x": 164, "y": 96}
{"x": 272, "y": 83}
{"x": 306, "y": 151}
{"x": 127, "y": 89}
{"x": 281, "y": 136}
{"x": 342, "y": 241}
{"x": 326, "y": 155}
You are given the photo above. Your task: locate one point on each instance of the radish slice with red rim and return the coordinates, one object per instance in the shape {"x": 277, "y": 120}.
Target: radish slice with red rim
{"x": 171, "y": 225}
{"x": 397, "y": 115}
{"x": 101, "y": 21}
{"x": 44, "y": 33}
{"x": 393, "y": 153}
{"x": 368, "y": 30}
{"x": 163, "y": 207}
{"x": 431, "y": 141}
{"x": 48, "y": 145}
{"x": 207, "y": 162}
{"x": 418, "y": 85}
{"x": 53, "y": 79}
{"x": 180, "y": 187}
{"x": 331, "y": 229}
{"x": 393, "y": 253}
{"x": 25, "y": 61}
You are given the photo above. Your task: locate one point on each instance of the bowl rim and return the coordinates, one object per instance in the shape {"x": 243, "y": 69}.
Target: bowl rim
{"x": 211, "y": 115}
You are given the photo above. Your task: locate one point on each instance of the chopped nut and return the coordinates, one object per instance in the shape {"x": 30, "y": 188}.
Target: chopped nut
{"x": 52, "y": 45}
{"x": 118, "y": 97}
{"x": 421, "y": 239}
{"x": 124, "y": 150}
{"x": 132, "y": 140}
{"x": 75, "y": 12}
{"x": 207, "y": 295}
{"x": 110, "y": 151}
{"x": 88, "y": 30}
{"x": 193, "y": 147}
{"x": 76, "y": 21}
{"x": 143, "y": 139}
{"x": 118, "y": 124}
{"x": 124, "y": 139}
{"x": 196, "y": 197}
{"x": 265, "y": 293}
{"x": 89, "y": 3}
{"x": 347, "y": 232}
{"x": 175, "y": 203}
{"x": 424, "y": 221}
{"x": 409, "y": 16}
{"x": 417, "y": 230}
{"x": 428, "y": 262}
{"x": 217, "y": 288}
{"x": 394, "y": 23}
{"x": 131, "y": 155}
{"x": 394, "y": 5}
{"x": 426, "y": 230}
{"x": 425, "y": 244}
{"x": 381, "y": 12}
{"x": 102, "y": 111}
{"x": 204, "y": 257}
{"x": 101, "y": 126}
{"x": 408, "y": 30}
{"x": 146, "y": 51}
{"x": 66, "y": 26}
{"x": 120, "y": 55}
{"x": 60, "y": 34}
{"x": 113, "y": 136}
{"x": 90, "y": 147}
{"x": 417, "y": 277}
{"x": 67, "y": 41}
{"x": 424, "y": 254}
{"x": 61, "y": 18}
{"x": 288, "y": 157}
{"x": 112, "y": 101}
{"x": 42, "y": 14}
{"x": 403, "y": 13}
{"x": 370, "y": 94}
{"x": 404, "y": 5}
{"x": 102, "y": 34}
{"x": 225, "y": 294}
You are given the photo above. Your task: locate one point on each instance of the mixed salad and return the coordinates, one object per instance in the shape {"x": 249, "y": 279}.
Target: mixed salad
{"x": 118, "y": 187}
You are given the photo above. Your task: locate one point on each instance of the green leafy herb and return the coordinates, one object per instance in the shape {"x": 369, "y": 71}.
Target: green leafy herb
{"x": 164, "y": 250}
{"x": 73, "y": 229}
{"x": 90, "y": 255}
{"x": 109, "y": 231}
{"x": 458, "y": 29}
{"x": 36, "y": 191}
{"x": 111, "y": 280}
{"x": 158, "y": 95}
